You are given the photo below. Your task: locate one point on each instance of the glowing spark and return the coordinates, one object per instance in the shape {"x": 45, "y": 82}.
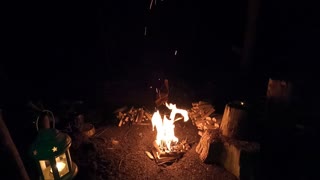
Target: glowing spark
{"x": 175, "y": 53}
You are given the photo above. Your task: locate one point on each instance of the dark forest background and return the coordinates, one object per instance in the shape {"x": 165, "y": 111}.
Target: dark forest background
{"x": 66, "y": 50}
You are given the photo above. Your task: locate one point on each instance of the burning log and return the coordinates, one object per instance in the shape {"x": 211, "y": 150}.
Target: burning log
{"x": 162, "y": 157}
{"x": 235, "y": 120}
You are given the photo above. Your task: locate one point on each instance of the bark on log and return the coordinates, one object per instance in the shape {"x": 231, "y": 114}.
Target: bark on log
{"x": 241, "y": 158}
{"x": 279, "y": 91}
{"x": 234, "y": 122}
{"x": 209, "y": 138}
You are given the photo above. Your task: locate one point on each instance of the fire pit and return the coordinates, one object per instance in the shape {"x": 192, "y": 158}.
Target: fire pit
{"x": 167, "y": 148}
{"x": 161, "y": 156}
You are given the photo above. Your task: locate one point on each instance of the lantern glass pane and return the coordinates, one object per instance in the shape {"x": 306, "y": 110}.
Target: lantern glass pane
{"x": 62, "y": 164}
{"x": 46, "y": 169}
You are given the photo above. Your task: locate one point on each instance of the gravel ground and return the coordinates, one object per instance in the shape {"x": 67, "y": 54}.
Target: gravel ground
{"x": 119, "y": 153}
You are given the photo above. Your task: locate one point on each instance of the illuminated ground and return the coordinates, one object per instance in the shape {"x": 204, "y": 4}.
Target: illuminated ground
{"x": 102, "y": 158}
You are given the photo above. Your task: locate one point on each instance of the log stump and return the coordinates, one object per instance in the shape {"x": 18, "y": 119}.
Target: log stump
{"x": 241, "y": 158}
{"x": 279, "y": 91}
{"x": 234, "y": 122}
{"x": 279, "y": 106}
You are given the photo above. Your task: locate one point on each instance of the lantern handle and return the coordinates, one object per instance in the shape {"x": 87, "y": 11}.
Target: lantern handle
{"x": 54, "y": 121}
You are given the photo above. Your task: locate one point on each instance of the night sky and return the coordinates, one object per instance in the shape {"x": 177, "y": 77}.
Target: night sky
{"x": 57, "y": 48}
{"x": 64, "y": 50}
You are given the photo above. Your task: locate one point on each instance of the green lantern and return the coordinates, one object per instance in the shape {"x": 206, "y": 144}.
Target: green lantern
{"x": 51, "y": 153}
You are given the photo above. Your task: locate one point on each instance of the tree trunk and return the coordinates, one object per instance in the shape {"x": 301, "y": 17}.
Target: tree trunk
{"x": 250, "y": 33}
{"x": 234, "y": 122}
{"x": 8, "y": 143}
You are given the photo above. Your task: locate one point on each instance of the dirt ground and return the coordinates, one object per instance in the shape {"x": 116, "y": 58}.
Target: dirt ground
{"x": 119, "y": 153}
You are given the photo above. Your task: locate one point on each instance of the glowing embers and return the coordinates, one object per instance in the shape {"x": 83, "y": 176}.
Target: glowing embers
{"x": 164, "y": 157}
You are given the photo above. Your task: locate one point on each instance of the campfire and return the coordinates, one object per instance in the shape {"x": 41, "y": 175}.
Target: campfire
{"x": 166, "y": 147}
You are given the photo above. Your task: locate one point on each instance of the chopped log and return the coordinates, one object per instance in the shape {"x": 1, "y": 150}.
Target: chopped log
{"x": 133, "y": 116}
{"x": 238, "y": 157}
{"x": 150, "y": 156}
{"x": 241, "y": 158}
{"x": 208, "y": 138}
{"x": 149, "y": 116}
{"x": 200, "y": 112}
{"x": 234, "y": 122}
{"x": 139, "y": 116}
{"x": 120, "y": 123}
{"x": 208, "y": 113}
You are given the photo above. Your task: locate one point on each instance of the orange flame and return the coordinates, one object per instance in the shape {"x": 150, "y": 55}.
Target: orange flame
{"x": 165, "y": 126}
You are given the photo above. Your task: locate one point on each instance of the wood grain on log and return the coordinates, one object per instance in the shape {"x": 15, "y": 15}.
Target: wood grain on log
{"x": 208, "y": 138}
{"x": 241, "y": 158}
{"x": 234, "y": 120}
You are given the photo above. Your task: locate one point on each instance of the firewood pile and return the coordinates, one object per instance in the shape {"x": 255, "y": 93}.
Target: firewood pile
{"x": 202, "y": 116}
{"x": 226, "y": 145}
{"x": 133, "y": 116}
